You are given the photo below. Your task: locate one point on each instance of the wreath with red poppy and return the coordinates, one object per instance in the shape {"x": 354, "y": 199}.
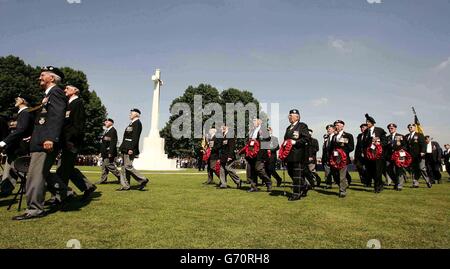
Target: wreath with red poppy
{"x": 374, "y": 154}
{"x": 206, "y": 155}
{"x": 249, "y": 150}
{"x": 399, "y": 161}
{"x": 217, "y": 168}
{"x": 339, "y": 161}
{"x": 285, "y": 149}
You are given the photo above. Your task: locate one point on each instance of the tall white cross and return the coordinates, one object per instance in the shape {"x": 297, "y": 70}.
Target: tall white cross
{"x": 154, "y": 129}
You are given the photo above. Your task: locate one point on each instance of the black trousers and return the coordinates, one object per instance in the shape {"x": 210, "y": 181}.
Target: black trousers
{"x": 375, "y": 172}
{"x": 271, "y": 169}
{"x": 433, "y": 168}
{"x": 362, "y": 171}
{"x": 256, "y": 169}
{"x": 68, "y": 171}
{"x": 297, "y": 172}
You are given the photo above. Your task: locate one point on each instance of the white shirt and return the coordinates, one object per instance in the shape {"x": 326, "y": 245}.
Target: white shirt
{"x": 135, "y": 119}
{"x": 107, "y": 130}
{"x": 338, "y": 136}
{"x": 73, "y": 98}
{"x": 22, "y": 109}
{"x": 411, "y": 135}
{"x": 293, "y": 124}
{"x": 48, "y": 90}
{"x": 255, "y": 132}
{"x": 372, "y": 129}
{"x": 429, "y": 148}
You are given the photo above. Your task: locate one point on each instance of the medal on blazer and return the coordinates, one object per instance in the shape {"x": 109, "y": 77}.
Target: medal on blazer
{"x": 129, "y": 129}
{"x": 43, "y": 110}
{"x": 41, "y": 121}
{"x": 67, "y": 113}
{"x": 295, "y": 135}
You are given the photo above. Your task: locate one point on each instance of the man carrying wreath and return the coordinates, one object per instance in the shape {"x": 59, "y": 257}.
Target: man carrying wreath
{"x": 374, "y": 141}
{"x": 341, "y": 145}
{"x": 296, "y": 139}
{"x": 395, "y": 153}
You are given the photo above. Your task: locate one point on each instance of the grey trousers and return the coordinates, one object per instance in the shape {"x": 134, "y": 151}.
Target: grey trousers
{"x": 211, "y": 167}
{"x": 128, "y": 170}
{"x": 109, "y": 166}
{"x": 38, "y": 174}
{"x": 342, "y": 174}
{"x": 228, "y": 170}
{"x": 419, "y": 169}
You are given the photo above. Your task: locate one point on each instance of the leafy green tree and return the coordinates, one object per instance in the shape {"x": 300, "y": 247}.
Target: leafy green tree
{"x": 189, "y": 147}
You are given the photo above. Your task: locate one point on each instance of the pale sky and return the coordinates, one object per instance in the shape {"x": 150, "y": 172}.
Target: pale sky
{"x": 330, "y": 59}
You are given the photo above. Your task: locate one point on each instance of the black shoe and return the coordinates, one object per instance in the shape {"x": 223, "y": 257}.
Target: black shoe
{"x": 415, "y": 187}
{"x": 428, "y": 184}
{"x": 269, "y": 188}
{"x": 88, "y": 192}
{"x": 143, "y": 184}
{"x": 123, "y": 189}
{"x": 239, "y": 185}
{"x": 252, "y": 190}
{"x": 222, "y": 187}
{"x": 295, "y": 197}
{"x": 27, "y": 216}
{"x": 342, "y": 195}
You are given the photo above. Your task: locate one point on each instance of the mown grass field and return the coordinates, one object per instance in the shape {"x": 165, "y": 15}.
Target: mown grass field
{"x": 177, "y": 211}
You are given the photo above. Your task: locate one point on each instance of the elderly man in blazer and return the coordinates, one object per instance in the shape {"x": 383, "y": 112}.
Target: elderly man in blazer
{"x": 344, "y": 141}
{"x": 433, "y": 160}
{"x": 108, "y": 151}
{"x": 416, "y": 146}
{"x": 297, "y": 159}
{"x": 17, "y": 143}
{"x": 130, "y": 149}
{"x": 372, "y": 136}
{"x": 44, "y": 144}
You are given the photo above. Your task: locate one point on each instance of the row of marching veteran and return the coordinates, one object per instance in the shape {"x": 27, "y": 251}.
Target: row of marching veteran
{"x": 376, "y": 153}
{"x": 260, "y": 154}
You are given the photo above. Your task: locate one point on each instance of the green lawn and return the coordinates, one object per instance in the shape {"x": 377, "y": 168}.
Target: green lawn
{"x": 177, "y": 211}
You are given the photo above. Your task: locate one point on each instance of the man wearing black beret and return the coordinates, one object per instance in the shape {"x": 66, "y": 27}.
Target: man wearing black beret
{"x": 395, "y": 142}
{"x": 44, "y": 144}
{"x": 297, "y": 160}
{"x": 108, "y": 151}
{"x": 417, "y": 147}
{"x": 344, "y": 141}
{"x": 130, "y": 149}
{"x": 72, "y": 137}
{"x": 373, "y": 136}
